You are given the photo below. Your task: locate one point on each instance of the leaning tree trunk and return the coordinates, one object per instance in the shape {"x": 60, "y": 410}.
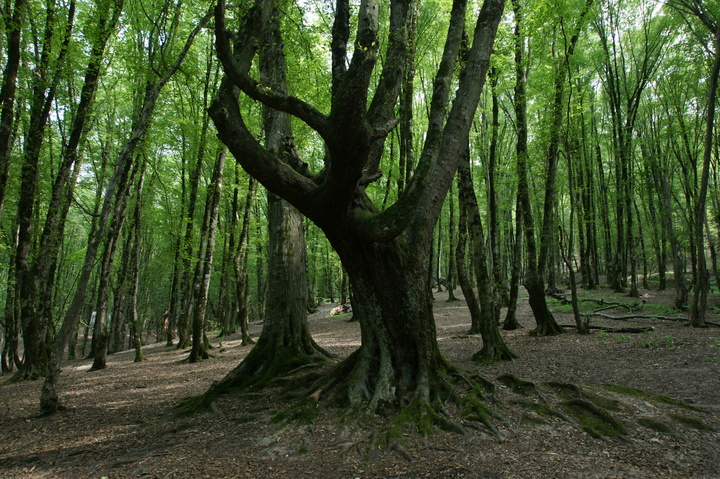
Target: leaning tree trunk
{"x": 49, "y": 400}
{"x": 44, "y": 87}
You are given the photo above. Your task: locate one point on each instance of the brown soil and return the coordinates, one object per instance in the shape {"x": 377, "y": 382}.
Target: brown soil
{"x": 117, "y": 422}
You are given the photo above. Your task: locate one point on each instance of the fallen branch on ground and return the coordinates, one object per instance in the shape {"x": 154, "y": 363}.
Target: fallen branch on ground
{"x": 643, "y": 329}
{"x": 637, "y": 316}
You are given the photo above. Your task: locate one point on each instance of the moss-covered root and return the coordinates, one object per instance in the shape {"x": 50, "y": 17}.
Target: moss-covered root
{"x": 594, "y": 420}
{"x": 517, "y": 385}
{"x": 205, "y": 402}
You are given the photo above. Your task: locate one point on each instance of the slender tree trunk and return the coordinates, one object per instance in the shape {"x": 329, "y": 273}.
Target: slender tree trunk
{"x": 207, "y": 252}
{"x": 49, "y": 401}
{"x": 511, "y": 322}
{"x": 463, "y": 278}
{"x": 101, "y": 334}
{"x": 13, "y": 22}
{"x": 534, "y": 283}
{"x": 452, "y": 258}
{"x": 701, "y": 286}
{"x": 501, "y": 290}
{"x": 494, "y": 347}
{"x": 44, "y": 88}
{"x": 240, "y": 261}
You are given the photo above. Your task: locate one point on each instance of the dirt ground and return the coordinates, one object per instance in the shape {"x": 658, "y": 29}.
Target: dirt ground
{"x": 117, "y": 424}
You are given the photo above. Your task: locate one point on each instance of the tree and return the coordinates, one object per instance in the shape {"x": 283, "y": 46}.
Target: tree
{"x": 203, "y": 268}
{"x": 484, "y": 320}
{"x": 630, "y": 61}
{"x": 13, "y": 30}
{"x": 386, "y": 254}
{"x": 49, "y": 400}
{"x": 534, "y": 282}
{"x": 285, "y": 342}
{"x": 710, "y": 20}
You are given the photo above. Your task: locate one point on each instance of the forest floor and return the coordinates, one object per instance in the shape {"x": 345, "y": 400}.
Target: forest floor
{"x": 117, "y": 425}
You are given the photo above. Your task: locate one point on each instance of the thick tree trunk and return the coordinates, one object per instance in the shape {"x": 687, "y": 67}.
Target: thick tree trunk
{"x": 385, "y": 254}
{"x": 399, "y": 359}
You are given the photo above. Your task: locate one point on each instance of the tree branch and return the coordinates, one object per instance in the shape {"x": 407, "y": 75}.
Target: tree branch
{"x": 252, "y": 88}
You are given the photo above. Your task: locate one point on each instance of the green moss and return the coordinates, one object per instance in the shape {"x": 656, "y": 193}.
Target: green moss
{"x": 517, "y": 385}
{"x": 650, "y": 396}
{"x": 594, "y": 420}
{"x": 675, "y": 402}
{"x": 655, "y": 425}
{"x": 418, "y": 415}
{"x": 388, "y": 435}
{"x": 626, "y": 390}
{"x": 304, "y": 447}
{"x": 692, "y": 422}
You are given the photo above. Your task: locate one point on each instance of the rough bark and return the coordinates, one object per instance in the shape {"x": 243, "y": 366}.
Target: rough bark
{"x": 494, "y": 347}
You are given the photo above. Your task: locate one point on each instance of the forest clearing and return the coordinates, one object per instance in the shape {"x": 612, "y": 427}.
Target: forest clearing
{"x": 117, "y": 423}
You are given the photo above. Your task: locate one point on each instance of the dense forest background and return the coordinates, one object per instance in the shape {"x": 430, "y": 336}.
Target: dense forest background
{"x": 121, "y": 221}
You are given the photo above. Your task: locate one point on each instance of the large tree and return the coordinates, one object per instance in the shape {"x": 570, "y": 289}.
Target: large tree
{"x": 386, "y": 253}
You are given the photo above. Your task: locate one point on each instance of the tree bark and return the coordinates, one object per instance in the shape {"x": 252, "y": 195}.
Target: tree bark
{"x": 44, "y": 88}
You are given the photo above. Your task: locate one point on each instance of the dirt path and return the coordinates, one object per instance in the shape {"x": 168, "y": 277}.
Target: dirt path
{"x": 117, "y": 425}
